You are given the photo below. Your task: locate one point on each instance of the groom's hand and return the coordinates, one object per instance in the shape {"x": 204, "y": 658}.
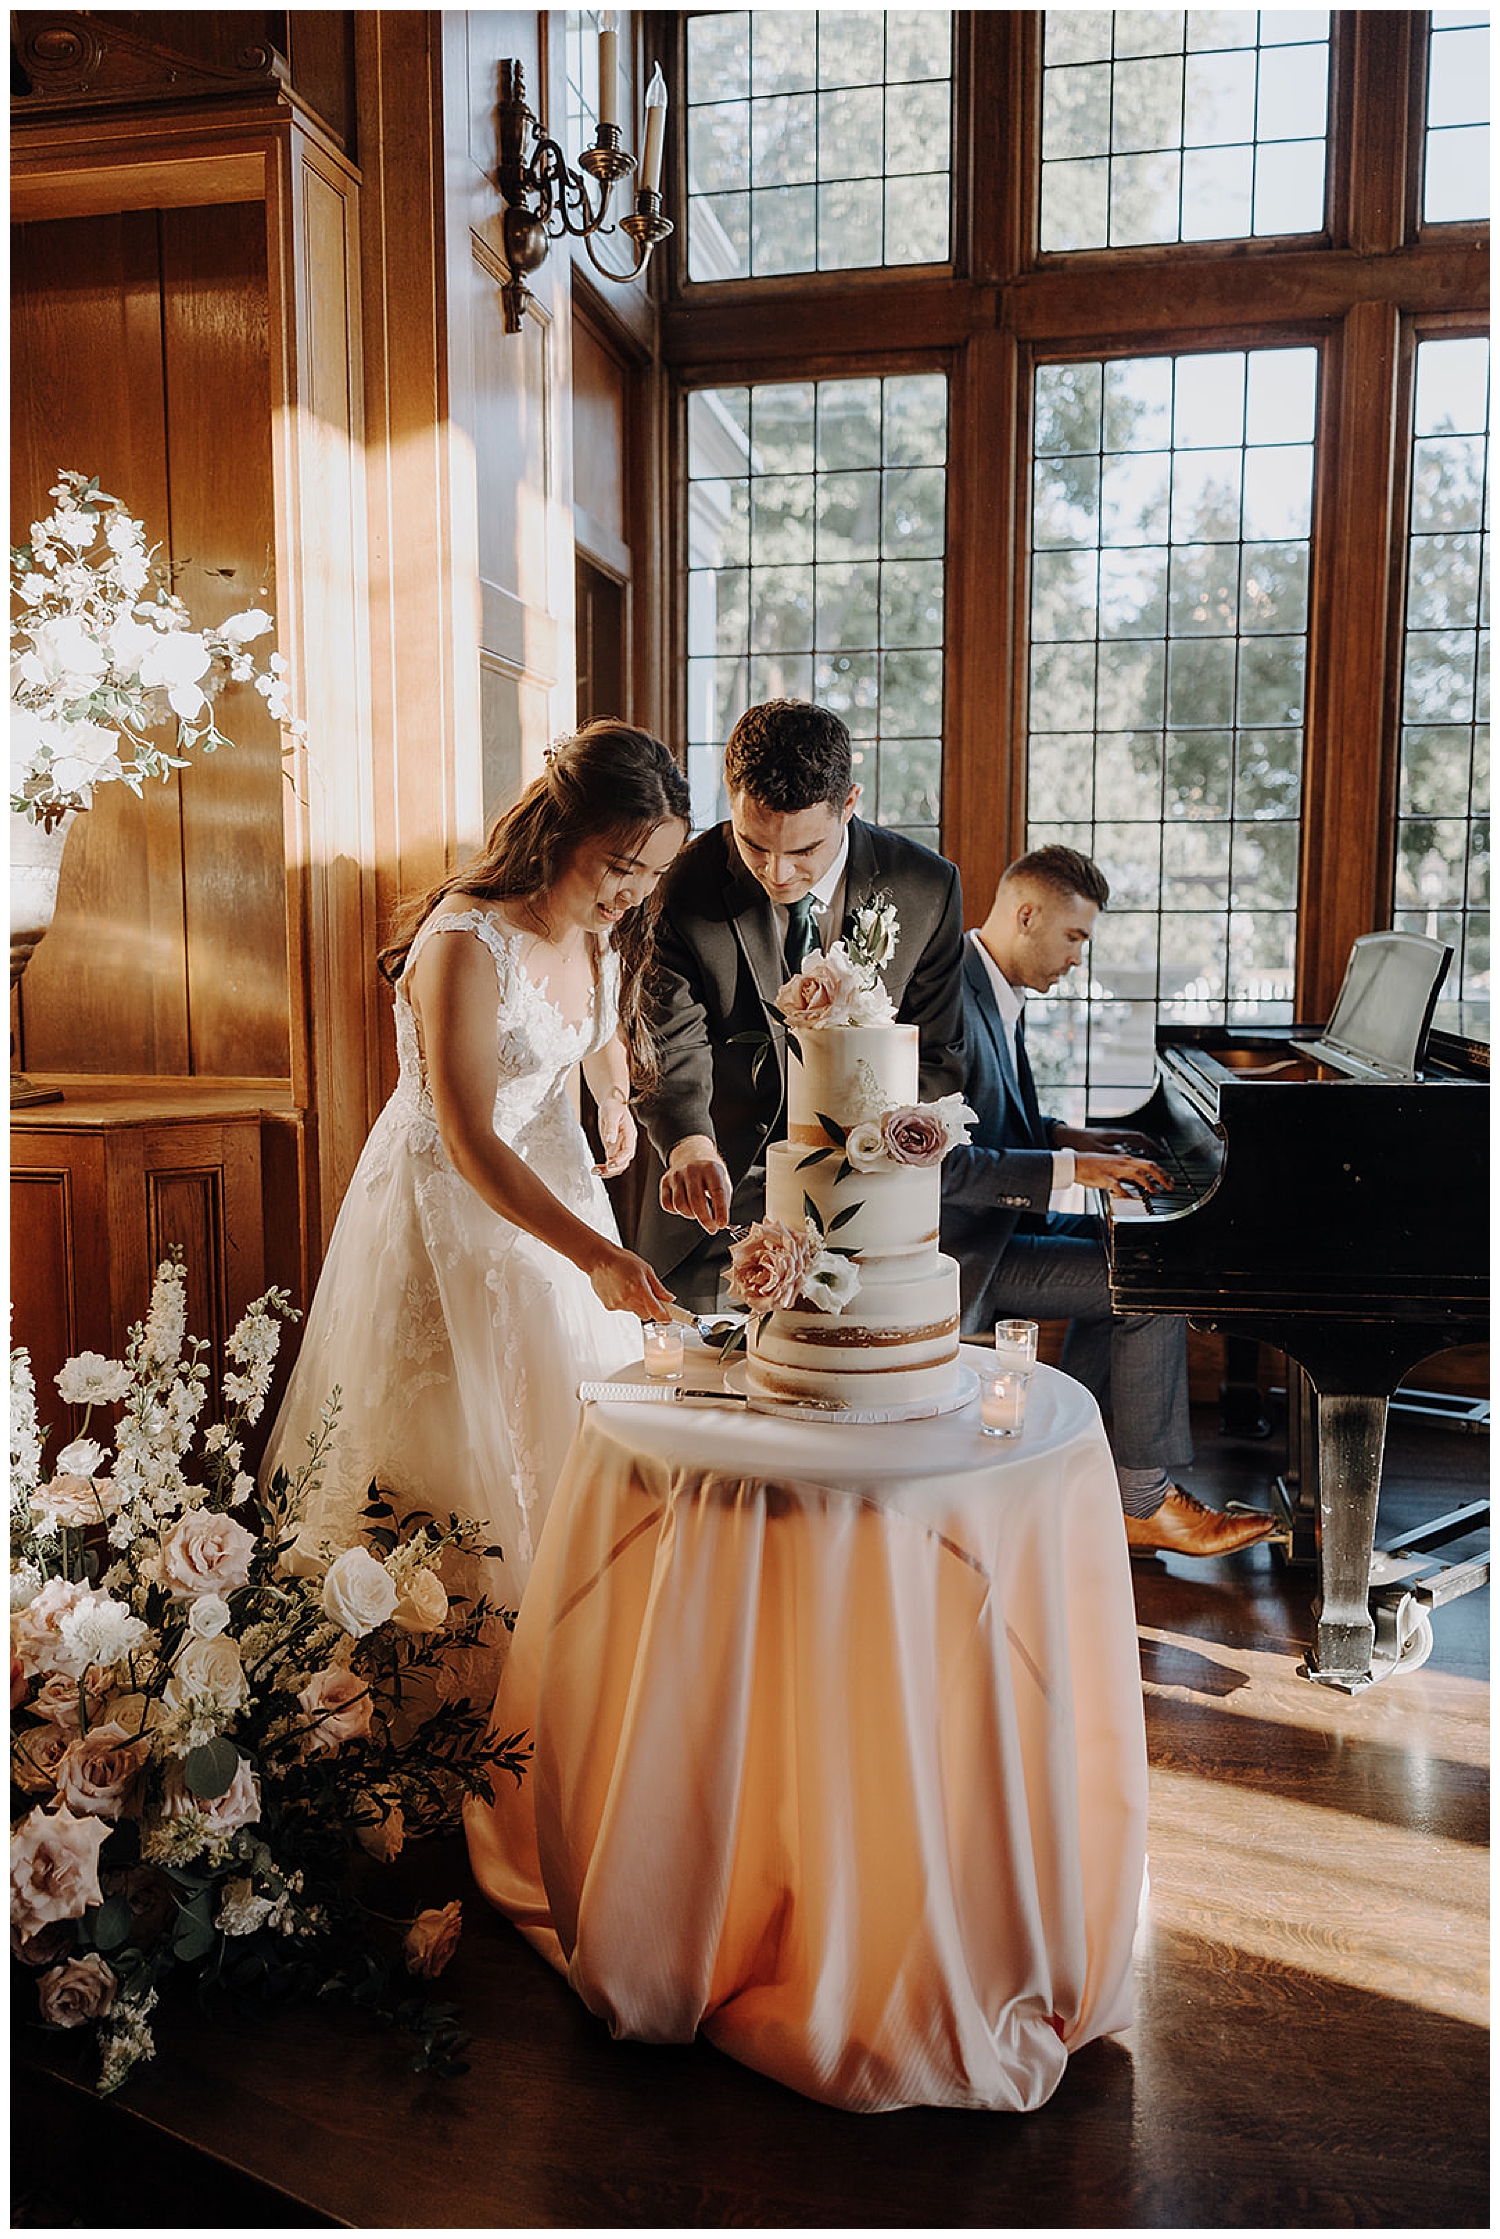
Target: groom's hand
{"x": 696, "y": 1183}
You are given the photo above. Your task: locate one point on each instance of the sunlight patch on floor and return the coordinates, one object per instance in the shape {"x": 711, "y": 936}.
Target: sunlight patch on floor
{"x": 1394, "y": 1712}
{"x": 1379, "y": 1908}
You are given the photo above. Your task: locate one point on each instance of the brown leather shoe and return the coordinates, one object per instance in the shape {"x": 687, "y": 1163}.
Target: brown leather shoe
{"x": 1183, "y": 1526}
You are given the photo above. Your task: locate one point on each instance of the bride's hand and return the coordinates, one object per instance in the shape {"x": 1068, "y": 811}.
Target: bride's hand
{"x": 617, "y": 1137}
{"x": 626, "y": 1285}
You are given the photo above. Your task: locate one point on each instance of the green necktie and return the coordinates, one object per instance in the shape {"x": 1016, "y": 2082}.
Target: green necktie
{"x": 801, "y": 940}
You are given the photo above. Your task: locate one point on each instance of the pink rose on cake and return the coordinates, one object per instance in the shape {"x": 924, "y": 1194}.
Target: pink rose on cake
{"x": 834, "y": 990}
{"x": 768, "y": 1265}
{"x": 909, "y": 1135}
{"x": 775, "y": 1266}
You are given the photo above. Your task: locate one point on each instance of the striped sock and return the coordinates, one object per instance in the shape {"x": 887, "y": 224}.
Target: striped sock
{"x": 1142, "y": 1491}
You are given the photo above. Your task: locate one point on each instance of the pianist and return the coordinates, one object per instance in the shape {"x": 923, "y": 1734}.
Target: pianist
{"x": 1015, "y": 1257}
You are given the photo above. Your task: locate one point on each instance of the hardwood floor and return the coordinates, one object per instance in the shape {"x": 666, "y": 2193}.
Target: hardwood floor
{"x": 1310, "y": 2048}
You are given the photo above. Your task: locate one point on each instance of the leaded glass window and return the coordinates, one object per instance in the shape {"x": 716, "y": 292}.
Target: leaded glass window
{"x": 1172, "y": 124}
{"x": 816, "y": 515}
{"x": 817, "y": 140}
{"x": 1442, "y": 829}
{"x": 1456, "y": 183}
{"x": 1171, "y": 518}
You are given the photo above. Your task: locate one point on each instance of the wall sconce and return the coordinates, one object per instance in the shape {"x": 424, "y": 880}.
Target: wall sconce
{"x": 544, "y": 199}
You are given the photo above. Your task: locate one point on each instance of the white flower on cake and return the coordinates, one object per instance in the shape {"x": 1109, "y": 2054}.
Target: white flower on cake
{"x": 773, "y": 1265}
{"x": 834, "y": 990}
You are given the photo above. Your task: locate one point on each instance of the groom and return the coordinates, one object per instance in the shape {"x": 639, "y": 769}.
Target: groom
{"x": 740, "y": 909}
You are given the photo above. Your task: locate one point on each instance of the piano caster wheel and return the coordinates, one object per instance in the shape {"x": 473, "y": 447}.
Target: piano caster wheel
{"x": 1417, "y": 1647}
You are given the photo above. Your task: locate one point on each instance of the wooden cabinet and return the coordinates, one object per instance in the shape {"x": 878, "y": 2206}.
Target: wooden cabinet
{"x": 105, "y": 1182}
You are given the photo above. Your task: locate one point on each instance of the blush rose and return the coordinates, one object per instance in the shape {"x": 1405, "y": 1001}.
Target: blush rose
{"x": 82, "y": 1990}
{"x": 339, "y": 1704}
{"x": 205, "y": 1553}
{"x": 914, "y": 1136}
{"x": 432, "y": 1939}
{"x": 768, "y": 1265}
{"x": 54, "y": 1867}
{"x": 98, "y": 1770}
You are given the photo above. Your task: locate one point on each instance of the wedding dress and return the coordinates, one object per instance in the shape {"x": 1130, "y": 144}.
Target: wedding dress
{"x": 455, "y": 1340}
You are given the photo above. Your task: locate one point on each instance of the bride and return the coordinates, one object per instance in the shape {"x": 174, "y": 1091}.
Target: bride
{"x": 475, "y": 1272}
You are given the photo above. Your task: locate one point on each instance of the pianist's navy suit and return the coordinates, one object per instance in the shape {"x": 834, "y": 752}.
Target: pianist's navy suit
{"x": 1015, "y": 1258}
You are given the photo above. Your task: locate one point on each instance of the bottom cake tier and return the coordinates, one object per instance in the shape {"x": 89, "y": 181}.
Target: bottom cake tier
{"x": 897, "y": 1341}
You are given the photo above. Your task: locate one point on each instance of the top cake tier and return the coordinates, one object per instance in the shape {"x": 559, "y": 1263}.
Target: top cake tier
{"x": 849, "y": 1073}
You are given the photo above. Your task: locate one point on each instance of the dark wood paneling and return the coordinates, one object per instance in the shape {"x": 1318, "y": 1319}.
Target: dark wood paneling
{"x": 216, "y": 354}
{"x": 103, "y": 1185}
{"x": 168, "y": 950}
{"x": 107, "y": 989}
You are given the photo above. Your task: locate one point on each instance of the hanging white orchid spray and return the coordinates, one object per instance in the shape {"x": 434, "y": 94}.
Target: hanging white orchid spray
{"x": 103, "y": 653}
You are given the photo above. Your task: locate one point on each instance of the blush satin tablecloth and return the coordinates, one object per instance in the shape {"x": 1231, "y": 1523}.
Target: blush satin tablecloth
{"x": 840, "y": 1755}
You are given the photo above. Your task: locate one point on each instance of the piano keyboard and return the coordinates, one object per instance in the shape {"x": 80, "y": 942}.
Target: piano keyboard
{"x": 1191, "y": 1169}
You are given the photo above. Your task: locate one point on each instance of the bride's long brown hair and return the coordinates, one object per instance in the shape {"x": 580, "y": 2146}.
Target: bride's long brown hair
{"x": 607, "y": 781}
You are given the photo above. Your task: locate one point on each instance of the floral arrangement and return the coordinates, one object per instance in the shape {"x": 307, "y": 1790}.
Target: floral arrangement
{"x": 772, "y": 1265}
{"x": 103, "y": 652}
{"x": 902, "y": 1135}
{"x": 843, "y": 987}
{"x": 203, "y": 1745}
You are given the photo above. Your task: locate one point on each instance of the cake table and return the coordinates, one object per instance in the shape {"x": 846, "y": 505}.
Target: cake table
{"x": 839, "y": 1747}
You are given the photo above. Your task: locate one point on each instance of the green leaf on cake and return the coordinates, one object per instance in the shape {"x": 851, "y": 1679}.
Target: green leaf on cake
{"x": 813, "y": 1156}
{"x": 832, "y": 1127}
{"x": 811, "y": 1210}
{"x": 848, "y": 1214}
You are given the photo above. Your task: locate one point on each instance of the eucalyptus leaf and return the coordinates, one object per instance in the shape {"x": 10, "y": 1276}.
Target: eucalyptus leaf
{"x": 111, "y": 1924}
{"x": 813, "y": 1157}
{"x": 209, "y": 1769}
{"x": 848, "y": 1214}
{"x": 832, "y": 1127}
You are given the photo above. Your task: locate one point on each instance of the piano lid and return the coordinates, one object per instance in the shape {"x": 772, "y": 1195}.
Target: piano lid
{"x": 1385, "y": 1006}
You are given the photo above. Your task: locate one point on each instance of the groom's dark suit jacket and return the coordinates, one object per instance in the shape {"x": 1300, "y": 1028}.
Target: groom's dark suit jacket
{"x": 1005, "y": 1174}
{"x": 718, "y": 970}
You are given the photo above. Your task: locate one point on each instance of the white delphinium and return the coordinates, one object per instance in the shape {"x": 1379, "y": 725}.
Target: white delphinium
{"x": 25, "y": 1434}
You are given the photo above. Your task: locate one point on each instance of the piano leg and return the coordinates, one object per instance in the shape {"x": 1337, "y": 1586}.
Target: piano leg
{"x": 1350, "y": 1445}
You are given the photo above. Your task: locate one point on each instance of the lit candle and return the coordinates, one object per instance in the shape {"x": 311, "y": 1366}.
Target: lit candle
{"x": 1015, "y": 1344}
{"x": 662, "y": 1346}
{"x": 609, "y": 76}
{"x": 1002, "y": 1405}
{"x": 656, "y": 130}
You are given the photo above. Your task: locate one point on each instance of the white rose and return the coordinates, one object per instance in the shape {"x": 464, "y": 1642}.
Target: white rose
{"x": 358, "y": 1592}
{"x": 423, "y": 1605}
{"x": 864, "y": 1147}
{"x": 207, "y": 1667}
{"x": 208, "y": 1614}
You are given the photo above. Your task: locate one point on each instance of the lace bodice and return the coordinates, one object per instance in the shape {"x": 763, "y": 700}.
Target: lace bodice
{"x": 537, "y": 1046}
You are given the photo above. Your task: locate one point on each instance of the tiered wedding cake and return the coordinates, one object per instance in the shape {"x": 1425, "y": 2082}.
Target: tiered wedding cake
{"x": 850, "y": 1299}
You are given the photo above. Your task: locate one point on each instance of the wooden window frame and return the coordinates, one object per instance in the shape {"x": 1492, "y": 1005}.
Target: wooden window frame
{"x": 1359, "y": 292}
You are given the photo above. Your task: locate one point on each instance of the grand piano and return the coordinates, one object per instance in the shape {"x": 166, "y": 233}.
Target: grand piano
{"x": 1330, "y": 1199}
